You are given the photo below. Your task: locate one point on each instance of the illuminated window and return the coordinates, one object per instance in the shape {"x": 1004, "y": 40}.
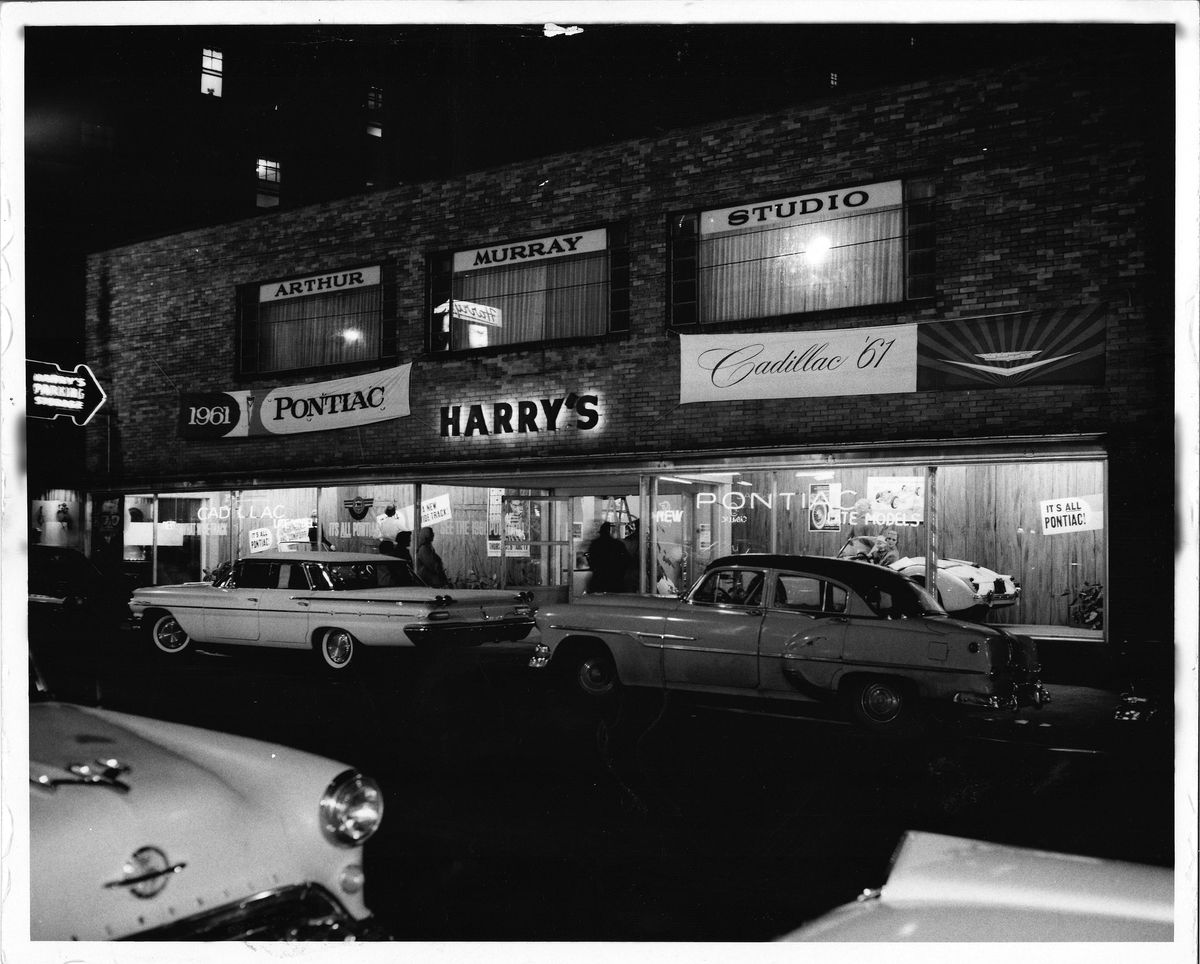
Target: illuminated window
{"x": 374, "y": 98}
{"x": 269, "y": 177}
{"x": 212, "y": 67}
{"x": 316, "y": 321}
{"x": 374, "y": 130}
{"x": 569, "y": 285}
{"x": 859, "y": 245}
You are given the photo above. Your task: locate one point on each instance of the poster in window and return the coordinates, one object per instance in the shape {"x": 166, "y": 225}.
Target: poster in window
{"x": 824, "y": 506}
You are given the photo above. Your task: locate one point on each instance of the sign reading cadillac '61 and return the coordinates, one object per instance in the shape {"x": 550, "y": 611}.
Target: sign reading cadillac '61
{"x": 342, "y": 403}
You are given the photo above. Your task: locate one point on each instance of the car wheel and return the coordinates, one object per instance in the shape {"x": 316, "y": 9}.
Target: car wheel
{"x": 168, "y": 637}
{"x": 595, "y": 674}
{"x": 883, "y": 705}
{"x": 338, "y": 649}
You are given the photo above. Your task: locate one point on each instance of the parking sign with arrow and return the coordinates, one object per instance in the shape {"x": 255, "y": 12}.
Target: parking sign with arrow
{"x": 53, "y": 392}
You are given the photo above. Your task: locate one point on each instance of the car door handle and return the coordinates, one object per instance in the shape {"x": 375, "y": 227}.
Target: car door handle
{"x": 809, "y": 640}
{"x": 251, "y": 599}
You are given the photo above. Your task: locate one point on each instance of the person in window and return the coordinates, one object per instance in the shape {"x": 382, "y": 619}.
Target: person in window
{"x": 389, "y": 529}
{"x": 884, "y": 553}
{"x": 429, "y": 563}
{"x": 608, "y": 559}
{"x": 401, "y": 549}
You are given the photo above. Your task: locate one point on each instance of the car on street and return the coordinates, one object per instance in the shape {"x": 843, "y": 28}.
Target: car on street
{"x": 142, "y": 829}
{"x": 945, "y": 888}
{"x": 66, "y": 584}
{"x": 798, "y": 628}
{"x": 335, "y": 604}
{"x": 965, "y": 589}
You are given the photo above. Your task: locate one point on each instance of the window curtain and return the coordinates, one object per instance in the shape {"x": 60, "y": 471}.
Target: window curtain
{"x": 563, "y": 298}
{"x": 320, "y": 330}
{"x": 855, "y": 260}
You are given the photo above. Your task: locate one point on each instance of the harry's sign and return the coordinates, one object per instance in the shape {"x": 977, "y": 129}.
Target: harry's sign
{"x": 522, "y": 416}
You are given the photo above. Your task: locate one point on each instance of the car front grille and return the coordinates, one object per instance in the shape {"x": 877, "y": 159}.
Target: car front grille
{"x": 306, "y": 912}
{"x": 1000, "y": 588}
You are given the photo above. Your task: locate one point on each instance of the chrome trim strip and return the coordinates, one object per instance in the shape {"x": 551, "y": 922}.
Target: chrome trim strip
{"x": 854, "y": 664}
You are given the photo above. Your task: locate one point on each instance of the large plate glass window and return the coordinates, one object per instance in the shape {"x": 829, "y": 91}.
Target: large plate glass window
{"x": 863, "y": 244}
{"x": 568, "y": 285}
{"x": 320, "y": 320}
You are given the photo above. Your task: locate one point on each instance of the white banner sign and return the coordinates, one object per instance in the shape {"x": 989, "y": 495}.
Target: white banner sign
{"x": 260, "y": 540}
{"x": 788, "y": 364}
{"x": 804, "y": 207}
{"x": 1077, "y": 513}
{"x": 539, "y": 249}
{"x": 342, "y": 403}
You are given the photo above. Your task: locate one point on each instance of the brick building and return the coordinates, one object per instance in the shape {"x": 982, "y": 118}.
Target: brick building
{"x": 943, "y": 308}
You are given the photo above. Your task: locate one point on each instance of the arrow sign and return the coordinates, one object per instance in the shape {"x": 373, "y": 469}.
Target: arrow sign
{"x": 51, "y": 392}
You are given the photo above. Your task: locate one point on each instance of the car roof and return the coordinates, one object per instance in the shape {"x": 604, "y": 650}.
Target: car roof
{"x": 860, "y": 576}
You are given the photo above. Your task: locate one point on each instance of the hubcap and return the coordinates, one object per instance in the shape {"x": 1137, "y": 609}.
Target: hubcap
{"x": 881, "y": 702}
{"x": 170, "y": 636}
{"x": 338, "y": 648}
{"x": 595, "y": 676}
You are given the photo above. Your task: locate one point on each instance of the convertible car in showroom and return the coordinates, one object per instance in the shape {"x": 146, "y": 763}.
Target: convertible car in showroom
{"x": 333, "y": 603}
{"x": 943, "y": 888}
{"x": 965, "y": 589}
{"x": 794, "y": 628}
{"x": 142, "y": 829}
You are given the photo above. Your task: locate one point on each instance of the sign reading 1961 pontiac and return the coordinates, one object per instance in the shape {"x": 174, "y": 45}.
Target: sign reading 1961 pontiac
{"x": 321, "y": 406}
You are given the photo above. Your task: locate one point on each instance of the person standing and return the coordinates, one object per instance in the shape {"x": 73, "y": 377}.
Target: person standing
{"x": 429, "y": 563}
{"x": 389, "y": 529}
{"x": 608, "y": 559}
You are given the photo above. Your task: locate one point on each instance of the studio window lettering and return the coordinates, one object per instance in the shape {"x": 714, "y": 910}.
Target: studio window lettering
{"x": 568, "y": 285}
{"x": 320, "y": 320}
{"x": 860, "y": 245}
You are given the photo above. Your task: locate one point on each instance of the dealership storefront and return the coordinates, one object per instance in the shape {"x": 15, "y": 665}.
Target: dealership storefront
{"x": 1032, "y": 509}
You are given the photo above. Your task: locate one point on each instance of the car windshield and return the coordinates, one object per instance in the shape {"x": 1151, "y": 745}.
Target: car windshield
{"x": 346, "y": 576}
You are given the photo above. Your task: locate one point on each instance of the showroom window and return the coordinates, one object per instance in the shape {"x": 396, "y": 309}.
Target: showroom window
{"x": 855, "y": 245}
{"x": 568, "y": 285}
{"x": 316, "y": 321}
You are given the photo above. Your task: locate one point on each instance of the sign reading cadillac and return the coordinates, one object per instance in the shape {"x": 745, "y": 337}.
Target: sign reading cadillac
{"x": 341, "y": 403}
{"x": 811, "y": 364}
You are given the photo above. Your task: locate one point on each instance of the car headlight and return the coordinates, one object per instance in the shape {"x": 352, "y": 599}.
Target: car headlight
{"x": 351, "y": 809}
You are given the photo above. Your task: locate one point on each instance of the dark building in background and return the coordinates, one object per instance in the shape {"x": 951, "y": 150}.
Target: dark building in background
{"x": 657, "y": 332}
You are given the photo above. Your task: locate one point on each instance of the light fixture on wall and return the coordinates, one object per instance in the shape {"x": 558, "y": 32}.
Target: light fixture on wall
{"x": 351, "y": 335}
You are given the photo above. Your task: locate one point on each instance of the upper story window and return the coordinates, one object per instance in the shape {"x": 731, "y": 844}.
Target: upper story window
{"x": 212, "y": 69}
{"x": 860, "y": 245}
{"x": 315, "y": 321}
{"x": 269, "y": 178}
{"x": 568, "y": 285}
{"x": 374, "y": 98}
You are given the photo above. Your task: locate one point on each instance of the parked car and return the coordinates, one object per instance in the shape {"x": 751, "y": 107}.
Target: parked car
{"x": 64, "y": 583}
{"x": 794, "y": 628}
{"x": 142, "y": 829}
{"x": 965, "y": 589}
{"x": 943, "y": 888}
{"x": 334, "y": 603}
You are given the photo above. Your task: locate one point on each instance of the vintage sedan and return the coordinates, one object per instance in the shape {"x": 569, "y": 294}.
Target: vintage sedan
{"x": 944, "y": 888}
{"x": 780, "y": 627}
{"x": 965, "y": 589}
{"x": 333, "y": 603}
{"x": 142, "y": 829}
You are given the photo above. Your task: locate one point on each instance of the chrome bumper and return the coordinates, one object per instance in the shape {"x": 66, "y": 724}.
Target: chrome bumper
{"x": 1027, "y": 694}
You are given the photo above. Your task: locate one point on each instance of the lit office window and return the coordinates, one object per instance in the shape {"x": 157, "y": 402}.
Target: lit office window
{"x": 269, "y": 177}
{"x": 212, "y": 67}
{"x": 569, "y": 285}
{"x": 862, "y": 245}
{"x": 374, "y": 98}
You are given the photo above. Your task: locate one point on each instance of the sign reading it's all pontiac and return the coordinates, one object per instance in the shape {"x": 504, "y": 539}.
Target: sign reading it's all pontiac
{"x": 321, "y": 406}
